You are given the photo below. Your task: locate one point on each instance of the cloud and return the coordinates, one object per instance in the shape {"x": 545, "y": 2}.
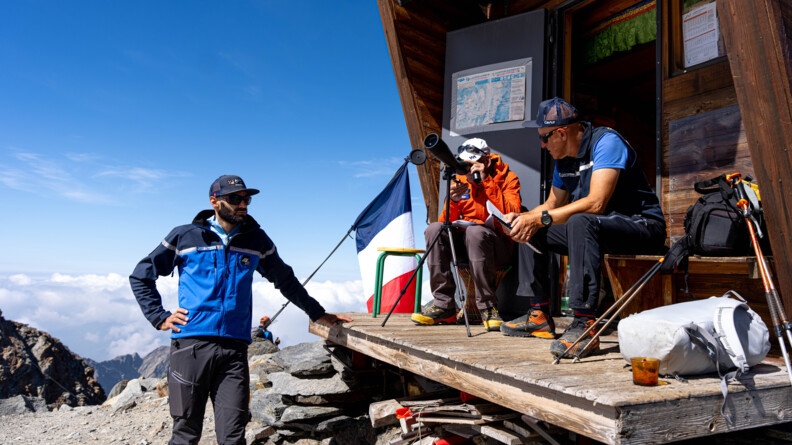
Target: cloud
{"x": 142, "y": 178}
{"x": 20, "y": 280}
{"x": 97, "y": 316}
{"x": 74, "y": 176}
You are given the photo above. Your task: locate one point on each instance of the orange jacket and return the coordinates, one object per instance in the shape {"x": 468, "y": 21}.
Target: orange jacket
{"x": 501, "y": 186}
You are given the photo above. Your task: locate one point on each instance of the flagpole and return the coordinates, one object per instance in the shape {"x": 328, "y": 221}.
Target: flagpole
{"x": 272, "y": 320}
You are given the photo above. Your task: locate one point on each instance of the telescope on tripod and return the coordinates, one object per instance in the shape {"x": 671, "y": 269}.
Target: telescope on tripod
{"x": 453, "y": 166}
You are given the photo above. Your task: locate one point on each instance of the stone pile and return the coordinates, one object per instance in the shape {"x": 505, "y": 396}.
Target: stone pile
{"x": 305, "y": 391}
{"x": 299, "y": 394}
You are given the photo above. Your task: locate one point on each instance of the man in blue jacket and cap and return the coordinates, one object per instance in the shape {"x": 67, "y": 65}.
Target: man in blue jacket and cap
{"x": 216, "y": 257}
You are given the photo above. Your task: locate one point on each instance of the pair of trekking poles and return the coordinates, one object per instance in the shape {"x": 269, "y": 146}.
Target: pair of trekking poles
{"x": 746, "y": 208}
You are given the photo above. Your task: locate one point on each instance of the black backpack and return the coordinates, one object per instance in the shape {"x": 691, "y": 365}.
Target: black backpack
{"x": 714, "y": 226}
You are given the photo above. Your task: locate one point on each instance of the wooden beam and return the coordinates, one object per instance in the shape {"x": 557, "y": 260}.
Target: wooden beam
{"x": 759, "y": 48}
{"x": 394, "y": 18}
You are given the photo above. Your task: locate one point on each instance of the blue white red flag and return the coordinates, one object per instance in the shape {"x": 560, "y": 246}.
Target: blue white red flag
{"x": 387, "y": 222}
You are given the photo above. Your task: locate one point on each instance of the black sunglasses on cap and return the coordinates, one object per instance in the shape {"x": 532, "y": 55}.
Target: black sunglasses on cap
{"x": 235, "y": 200}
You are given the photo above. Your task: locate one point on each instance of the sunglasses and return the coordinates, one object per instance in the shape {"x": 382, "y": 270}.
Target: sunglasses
{"x": 235, "y": 200}
{"x": 545, "y": 137}
{"x": 471, "y": 149}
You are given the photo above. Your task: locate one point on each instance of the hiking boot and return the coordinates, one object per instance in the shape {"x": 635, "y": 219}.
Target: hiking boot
{"x": 533, "y": 324}
{"x": 491, "y": 319}
{"x": 435, "y": 315}
{"x": 572, "y": 333}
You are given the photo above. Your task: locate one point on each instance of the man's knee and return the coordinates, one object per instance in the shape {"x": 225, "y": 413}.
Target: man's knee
{"x": 432, "y": 230}
{"x": 582, "y": 219}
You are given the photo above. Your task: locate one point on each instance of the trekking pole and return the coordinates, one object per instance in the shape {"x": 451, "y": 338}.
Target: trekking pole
{"x": 616, "y": 309}
{"x": 777, "y": 312}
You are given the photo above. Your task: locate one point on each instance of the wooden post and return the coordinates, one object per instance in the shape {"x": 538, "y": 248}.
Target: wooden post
{"x": 759, "y": 47}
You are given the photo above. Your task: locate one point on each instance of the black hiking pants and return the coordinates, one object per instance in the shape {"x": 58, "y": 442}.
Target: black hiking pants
{"x": 585, "y": 238}
{"x": 206, "y": 367}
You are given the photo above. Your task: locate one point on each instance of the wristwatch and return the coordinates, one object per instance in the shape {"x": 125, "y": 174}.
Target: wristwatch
{"x": 546, "y": 220}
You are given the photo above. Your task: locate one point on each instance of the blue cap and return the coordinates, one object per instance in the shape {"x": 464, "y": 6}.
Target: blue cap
{"x": 554, "y": 112}
{"x": 227, "y": 184}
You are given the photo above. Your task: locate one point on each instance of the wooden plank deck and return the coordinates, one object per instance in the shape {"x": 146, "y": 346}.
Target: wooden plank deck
{"x": 595, "y": 397}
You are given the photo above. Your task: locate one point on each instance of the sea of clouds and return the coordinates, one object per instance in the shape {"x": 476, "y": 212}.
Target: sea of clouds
{"x": 97, "y": 316}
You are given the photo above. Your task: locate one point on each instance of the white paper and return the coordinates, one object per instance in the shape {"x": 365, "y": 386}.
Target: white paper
{"x": 700, "y": 33}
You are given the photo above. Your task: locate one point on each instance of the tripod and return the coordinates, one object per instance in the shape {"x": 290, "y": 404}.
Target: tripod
{"x": 448, "y": 175}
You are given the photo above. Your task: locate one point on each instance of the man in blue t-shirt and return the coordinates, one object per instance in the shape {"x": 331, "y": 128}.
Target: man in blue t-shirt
{"x": 600, "y": 202}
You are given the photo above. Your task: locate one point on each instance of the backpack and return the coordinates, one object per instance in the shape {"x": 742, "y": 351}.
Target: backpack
{"x": 696, "y": 337}
{"x": 714, "y": 224}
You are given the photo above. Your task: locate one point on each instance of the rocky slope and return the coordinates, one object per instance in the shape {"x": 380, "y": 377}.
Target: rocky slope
{"x": 299, "y": 395}
{"x": 35, "y": 364}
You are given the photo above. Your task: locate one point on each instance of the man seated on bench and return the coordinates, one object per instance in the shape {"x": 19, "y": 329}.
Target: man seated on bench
{"x": 600, "y": 203}
{"x": 485, "y": 248}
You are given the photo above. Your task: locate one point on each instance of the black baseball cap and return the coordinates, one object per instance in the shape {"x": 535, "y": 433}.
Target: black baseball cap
{"x": 555, "y": 112}
{"x": 227, "y": 184}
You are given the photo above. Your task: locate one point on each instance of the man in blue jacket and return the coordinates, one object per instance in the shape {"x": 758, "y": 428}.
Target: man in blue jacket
{"x": 216, "y": 257}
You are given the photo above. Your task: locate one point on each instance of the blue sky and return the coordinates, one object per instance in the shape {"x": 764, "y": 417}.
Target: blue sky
{"x": 116, "y": 116}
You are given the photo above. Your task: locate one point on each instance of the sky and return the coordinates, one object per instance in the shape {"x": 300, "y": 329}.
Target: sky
{"x": 115, "y": 117}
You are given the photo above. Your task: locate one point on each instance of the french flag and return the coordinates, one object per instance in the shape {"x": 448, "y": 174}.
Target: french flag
{"x": 387, "y": 222}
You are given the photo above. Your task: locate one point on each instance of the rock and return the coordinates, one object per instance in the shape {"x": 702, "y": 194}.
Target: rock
{"x": 287, "y": 384}
{"x": 305, "y": 359}
{"x": 256, "y": 434}
{"x": 162, "y": 387}
{"x": 22, "y": 404}
{"x": 117, "y": 389}
{"x": 384, "y": 413}
{"x": 133, "y": 390}
{"x": 297, "y": 413}
{"x": 262, "y": 366}
{"x": 267, "y": 407}
{"x": 35, "y": 364}
{"x": 262, "y": 347}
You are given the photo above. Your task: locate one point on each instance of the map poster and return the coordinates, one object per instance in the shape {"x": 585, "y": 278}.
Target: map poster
{"x": 490, "y": 97}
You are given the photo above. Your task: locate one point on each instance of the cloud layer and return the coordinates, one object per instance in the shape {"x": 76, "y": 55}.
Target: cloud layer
{"x": 97, "y": 316}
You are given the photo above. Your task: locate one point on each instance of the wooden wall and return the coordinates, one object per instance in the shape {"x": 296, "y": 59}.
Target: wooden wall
{"x": 696, "y": 99}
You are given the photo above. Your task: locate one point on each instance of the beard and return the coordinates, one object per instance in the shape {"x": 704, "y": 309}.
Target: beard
{"x": 227, "y": 214}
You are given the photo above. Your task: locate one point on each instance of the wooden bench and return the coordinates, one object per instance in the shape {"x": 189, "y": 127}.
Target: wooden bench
{"x": 708, "y": 276}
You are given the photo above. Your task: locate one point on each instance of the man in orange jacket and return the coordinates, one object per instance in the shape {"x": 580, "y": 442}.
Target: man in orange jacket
{"x": 484, "y": 247}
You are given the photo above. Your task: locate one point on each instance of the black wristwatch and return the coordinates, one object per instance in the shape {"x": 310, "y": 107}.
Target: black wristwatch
{"x": 547, "y": 220}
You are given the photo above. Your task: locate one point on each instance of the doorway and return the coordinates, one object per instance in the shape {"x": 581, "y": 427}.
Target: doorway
{"x": 610, "y": 70}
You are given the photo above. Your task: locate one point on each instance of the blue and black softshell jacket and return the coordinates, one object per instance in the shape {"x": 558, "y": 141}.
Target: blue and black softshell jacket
{"x": 215, "y": 281}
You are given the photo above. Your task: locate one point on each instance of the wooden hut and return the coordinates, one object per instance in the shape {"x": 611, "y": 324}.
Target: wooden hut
{"x": 699, "y": 87}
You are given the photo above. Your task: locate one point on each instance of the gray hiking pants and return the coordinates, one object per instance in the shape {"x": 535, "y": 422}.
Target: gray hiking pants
{"x": 478, "y": 246}
{"x": 208, "y": 367}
